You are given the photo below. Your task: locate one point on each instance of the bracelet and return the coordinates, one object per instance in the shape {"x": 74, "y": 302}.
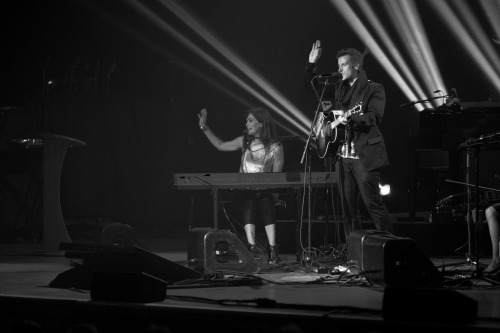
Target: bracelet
{"x": 204, "y": 128}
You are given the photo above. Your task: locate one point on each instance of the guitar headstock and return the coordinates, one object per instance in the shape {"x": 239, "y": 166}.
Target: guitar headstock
{"x": 357, "y": 109}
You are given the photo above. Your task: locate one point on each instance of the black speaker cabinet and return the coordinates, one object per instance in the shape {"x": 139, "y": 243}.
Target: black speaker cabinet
{"x": 127, "y": 287}
{"x": 212, "y": 250}
{"x": 392, "y": 261}
{"x": 120, "y": 259}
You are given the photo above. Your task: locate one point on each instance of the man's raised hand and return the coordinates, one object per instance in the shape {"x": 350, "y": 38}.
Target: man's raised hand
{"x": 315, "y": 53}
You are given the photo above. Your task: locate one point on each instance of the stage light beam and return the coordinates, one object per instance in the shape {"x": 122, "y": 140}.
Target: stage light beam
{"x": 407, "y": 21}
{"x": 238, "y": 62}
{"x": 469, "y": 45}
{"x": 390, "y": 46}
{"x": 359, "y": 28}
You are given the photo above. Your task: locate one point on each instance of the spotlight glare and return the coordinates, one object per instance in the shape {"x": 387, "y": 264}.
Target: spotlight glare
{"x": 384, "y": 189}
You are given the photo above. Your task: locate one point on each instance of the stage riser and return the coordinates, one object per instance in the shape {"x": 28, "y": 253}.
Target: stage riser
{"x": 59, "y": 316}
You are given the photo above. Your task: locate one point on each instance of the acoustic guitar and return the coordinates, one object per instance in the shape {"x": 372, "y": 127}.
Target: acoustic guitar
{"x": 329, "y": 132}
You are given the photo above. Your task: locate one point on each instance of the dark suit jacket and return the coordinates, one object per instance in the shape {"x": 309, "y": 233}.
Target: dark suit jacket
{"x": 368, "y": 140}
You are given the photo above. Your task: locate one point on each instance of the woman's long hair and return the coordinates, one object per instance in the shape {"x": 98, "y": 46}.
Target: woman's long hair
{"x": 268, "y": 131}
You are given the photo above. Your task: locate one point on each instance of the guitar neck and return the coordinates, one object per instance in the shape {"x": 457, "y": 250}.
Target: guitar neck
{"x": 355, "y": 110}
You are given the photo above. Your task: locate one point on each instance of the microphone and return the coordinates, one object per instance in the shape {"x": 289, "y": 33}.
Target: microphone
{"x": 336, "y": 74}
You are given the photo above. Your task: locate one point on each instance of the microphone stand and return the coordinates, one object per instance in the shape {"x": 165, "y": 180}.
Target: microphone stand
{"x": 308, "y": 165}
{"x": 472, "y": 185}
{"x": 412, "y": 103}
{"x": 306, "y": 147}
{"x": 308, "y": 172}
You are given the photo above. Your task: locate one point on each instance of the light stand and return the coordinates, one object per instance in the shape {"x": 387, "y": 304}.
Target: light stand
{"x": 473, "y": 147}
{"x": 468, "y": 191}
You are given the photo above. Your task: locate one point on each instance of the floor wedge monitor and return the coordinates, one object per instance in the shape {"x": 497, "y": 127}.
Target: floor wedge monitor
{"x": 391, "y": 261}
{"x": 212, "y": 250}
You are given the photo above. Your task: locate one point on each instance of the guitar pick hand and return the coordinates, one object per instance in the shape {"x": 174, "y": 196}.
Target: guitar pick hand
{"x": 342, "y": 119}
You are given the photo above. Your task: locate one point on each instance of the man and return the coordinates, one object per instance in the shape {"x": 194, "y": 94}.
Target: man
{"x": 363, "y": 151}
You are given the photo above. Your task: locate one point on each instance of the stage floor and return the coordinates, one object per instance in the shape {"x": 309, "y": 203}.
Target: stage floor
{"x": 289, "y": 297}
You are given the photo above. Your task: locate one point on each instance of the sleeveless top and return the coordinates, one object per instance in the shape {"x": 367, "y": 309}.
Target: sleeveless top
{"x": 255, "y": 159}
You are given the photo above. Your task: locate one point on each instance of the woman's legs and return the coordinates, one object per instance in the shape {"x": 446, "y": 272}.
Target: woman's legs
{"x": 493, "y": 221}
{"x": 271, "y": 234}
{"x": 249, "y": 206}
{"x": 250, "y": 233}
{"x": 266, "y": 205}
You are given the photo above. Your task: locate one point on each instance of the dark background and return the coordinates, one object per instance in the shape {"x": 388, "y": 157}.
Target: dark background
{"x": 136, "y": 92}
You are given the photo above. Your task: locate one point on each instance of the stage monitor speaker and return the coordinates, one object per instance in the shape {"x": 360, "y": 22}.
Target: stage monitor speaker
{"x": 127, "y": 287}
{"x": 212, "y": 250}
{"x": 106, "y": 258}
{"x": 391, "y": 261}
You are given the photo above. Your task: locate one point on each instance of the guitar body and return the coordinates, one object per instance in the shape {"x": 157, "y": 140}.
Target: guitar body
{"x": 330, "y": 135}
{"x": 330, "y": 139}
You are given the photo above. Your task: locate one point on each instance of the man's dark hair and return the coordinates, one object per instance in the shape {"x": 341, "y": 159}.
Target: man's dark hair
{"x": 356, "y": 56}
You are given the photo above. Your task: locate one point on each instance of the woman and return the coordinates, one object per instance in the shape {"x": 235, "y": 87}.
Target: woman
{"x": 260, "y": 153}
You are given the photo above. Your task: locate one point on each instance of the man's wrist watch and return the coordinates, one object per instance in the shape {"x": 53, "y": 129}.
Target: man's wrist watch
{"x": 204, "y": 128}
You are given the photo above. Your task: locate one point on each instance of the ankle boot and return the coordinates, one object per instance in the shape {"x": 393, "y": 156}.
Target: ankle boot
{"x": 254, "y": 251}
{"x": 273, "y": 257}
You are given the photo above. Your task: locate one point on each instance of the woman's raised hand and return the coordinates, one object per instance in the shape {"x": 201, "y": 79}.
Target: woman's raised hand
{"x": 202, "y": 117}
